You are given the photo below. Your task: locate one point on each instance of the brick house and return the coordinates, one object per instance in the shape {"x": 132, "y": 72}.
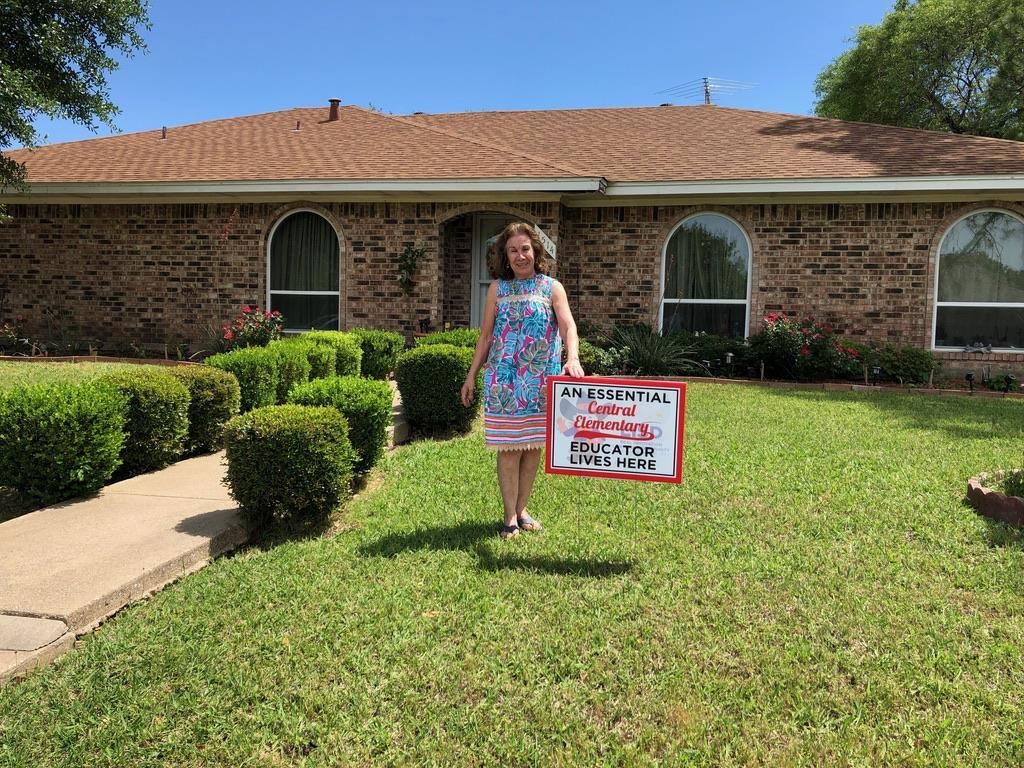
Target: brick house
{"x": 695, "y": 217}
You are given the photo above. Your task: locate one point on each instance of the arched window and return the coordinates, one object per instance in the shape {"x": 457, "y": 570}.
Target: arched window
{"x": 304, "y": 272}
{"x": 706, "y": 277}
{"x": 980, "y": 283}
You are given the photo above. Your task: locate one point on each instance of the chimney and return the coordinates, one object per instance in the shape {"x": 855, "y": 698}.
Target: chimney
{"x": 333, "y": 114}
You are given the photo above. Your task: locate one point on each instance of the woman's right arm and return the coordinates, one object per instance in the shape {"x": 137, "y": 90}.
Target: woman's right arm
{"x": 483, "y": 344}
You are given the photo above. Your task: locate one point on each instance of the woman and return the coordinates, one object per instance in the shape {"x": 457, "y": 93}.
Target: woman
{"x": 526, "y": 318}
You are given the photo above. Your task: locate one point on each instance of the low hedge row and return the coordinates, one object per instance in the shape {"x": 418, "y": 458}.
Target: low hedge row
{"x": 457, "y": 337}
{"x": 349, "y": 353}
{"x": 289, "y": 466}
{"x": 366, "y": 406}
{"x": 58, "y": 441}
{"x": 430, "y": 381}
{"x": 380, "y": 351}
{"x": 69, "y": 438}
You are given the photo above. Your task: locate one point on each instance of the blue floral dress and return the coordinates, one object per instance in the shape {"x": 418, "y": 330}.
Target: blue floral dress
{"x": 525, "y": 350}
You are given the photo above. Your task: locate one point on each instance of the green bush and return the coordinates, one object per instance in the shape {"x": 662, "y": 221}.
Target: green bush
{"x": 457, "y": 337}
{"x": 430, "y": 380}
{"x": 597, "y": 361}
{"x": 323, "y": 359}
{"x": 907, "y": 365}
{"x": 214, "y": 398}
{"x": 365, "y": 404}
{"x": 293, "y": 367}
{"x": 349, "y": 353}
{"x": 380, "y": 351}
{"x": 289, "y": 466}
{"x": 59, "y": 441}
{"x": 256, "y": 371}
{"x": 157, "y": 421}
{"x": 714, "y": 349}
{"x": 802, "y": 350}
{"x": 645, "y": 352}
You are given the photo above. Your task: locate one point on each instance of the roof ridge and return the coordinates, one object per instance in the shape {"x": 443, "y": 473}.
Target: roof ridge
{"x": 489, "y": 145}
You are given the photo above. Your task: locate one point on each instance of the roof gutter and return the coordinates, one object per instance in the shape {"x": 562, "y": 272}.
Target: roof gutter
{"x": 311, "y": 186}
{"x": 1001, "y": 183}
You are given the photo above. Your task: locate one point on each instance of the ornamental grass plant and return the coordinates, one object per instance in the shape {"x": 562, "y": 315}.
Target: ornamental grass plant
{"x": 815, "y": 593}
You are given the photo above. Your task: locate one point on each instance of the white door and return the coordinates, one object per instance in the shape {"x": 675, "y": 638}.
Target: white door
{"x": 486, "y": 227}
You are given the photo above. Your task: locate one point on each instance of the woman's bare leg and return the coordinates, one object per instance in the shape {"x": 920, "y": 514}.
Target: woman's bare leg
{"x": 528, "y": 464}
{"x": 508, "y": 483}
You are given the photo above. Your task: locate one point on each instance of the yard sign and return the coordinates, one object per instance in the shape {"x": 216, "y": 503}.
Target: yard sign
{"x": 630, "y": 429}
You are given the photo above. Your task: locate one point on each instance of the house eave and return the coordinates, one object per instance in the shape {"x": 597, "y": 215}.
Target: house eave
{"x": 358, "y": 189}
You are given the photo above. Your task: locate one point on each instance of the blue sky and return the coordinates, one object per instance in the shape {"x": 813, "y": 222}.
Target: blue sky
{"x": 225, "y": 58}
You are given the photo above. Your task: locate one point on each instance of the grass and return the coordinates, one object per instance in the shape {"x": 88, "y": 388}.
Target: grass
{"x": 814, "y": 593}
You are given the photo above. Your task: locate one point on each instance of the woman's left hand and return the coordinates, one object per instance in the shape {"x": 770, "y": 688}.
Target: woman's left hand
{"x": 573, "y": 368}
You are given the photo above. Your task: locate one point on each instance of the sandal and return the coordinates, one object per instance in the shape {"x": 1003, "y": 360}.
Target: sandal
{"x": 509, "y": 532}
{"x": 527, "y": 523}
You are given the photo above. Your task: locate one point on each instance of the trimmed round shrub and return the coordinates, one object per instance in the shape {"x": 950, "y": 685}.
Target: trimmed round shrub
{"x": 430, "y": 380}
{"x": 380, "y": 351}
{"x": 59, "y": 441}
{"x": 214, "y": 398}
{"x": 346, "y": 346}
{"x": 289, "y": 466}
{"x": 256, "y": 371}
{"x": 157, "y": 420}
{"x": 292, "y": 367}
{"x": 597, "y": 361}
{"x": 323, "y": 359}
{"x": 366, "y": 406}
{"x": 457, "y": 337}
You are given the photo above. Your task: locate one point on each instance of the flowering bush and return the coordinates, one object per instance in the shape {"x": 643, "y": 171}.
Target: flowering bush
{"x": 253, "y": 328}
{"x": 804, "y": 350}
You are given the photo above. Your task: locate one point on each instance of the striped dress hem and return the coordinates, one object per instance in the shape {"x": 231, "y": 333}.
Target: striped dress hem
{"x": 514, "y": 433}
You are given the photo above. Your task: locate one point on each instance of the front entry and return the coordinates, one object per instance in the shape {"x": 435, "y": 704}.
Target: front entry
{"x": 486, "y": 227}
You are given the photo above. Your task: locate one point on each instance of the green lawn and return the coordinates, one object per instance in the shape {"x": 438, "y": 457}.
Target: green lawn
{"x": 814, "y": 593}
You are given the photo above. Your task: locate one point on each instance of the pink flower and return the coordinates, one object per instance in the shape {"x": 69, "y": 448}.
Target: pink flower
{"x": 805, "y": 350}
{"x": 246, "y": 308}
{"x": 229, "y": 335}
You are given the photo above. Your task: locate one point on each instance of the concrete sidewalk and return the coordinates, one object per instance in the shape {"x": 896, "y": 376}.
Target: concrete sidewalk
{"x": 65, "y": 568}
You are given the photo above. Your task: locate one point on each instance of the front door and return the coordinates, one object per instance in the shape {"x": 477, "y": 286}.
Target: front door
{"x": 486, "y": 227}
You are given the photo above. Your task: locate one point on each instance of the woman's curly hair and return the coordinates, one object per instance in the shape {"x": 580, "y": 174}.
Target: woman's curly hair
{"x": 497, "y": 259}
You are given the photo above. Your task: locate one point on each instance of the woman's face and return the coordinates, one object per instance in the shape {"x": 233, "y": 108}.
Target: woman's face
{"x": 519, "y": 250}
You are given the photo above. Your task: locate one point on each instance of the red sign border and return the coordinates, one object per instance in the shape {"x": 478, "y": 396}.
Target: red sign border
{"x": 679, "y": 386}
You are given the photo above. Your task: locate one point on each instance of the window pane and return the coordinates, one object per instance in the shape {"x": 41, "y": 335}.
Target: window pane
{"x": 964, "y": 326}
{"x": 306, "y": 312}
{"x": 983, "y": 259}
{"x": 304, "y": 254}
{"x": 719, "y": 319}
{"x": 707, "y": 258}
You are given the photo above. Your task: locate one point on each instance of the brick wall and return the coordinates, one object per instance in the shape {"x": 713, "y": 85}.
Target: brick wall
{"x": 157, "y": 272}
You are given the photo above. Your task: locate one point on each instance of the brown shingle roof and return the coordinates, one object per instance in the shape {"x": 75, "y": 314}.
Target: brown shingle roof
{"x": 698, "y": 143}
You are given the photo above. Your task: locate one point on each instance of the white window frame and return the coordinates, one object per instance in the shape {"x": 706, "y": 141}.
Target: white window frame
{"x": 975, "y": 304}
{"x": 750, "y": 271}
{"x": 480, "y": 275}
{"x": 270, "y": 242}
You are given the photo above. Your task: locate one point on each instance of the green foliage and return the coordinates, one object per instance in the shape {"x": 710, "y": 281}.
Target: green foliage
{"x": 347, "y": 348}
{"x": 907, "y": 365}
{"x": 645, "y": 352}
{"x": 293, "y": 366}
{"x": 256, "y": 371}
{"x": 323, "y": 359}
{"x": 365, "y": 404}
{"x": 408, "y": 263}
{"x": 157, "y": 418}
{"x": 289, "y": 466}
{"x": 944, "y": 65}
{"x": 803, "y": 350}
{"x": 430, "y": 380}
{"x": 58, "y": 441}
{"x": 380, "y": 351}
{"x": 214, "y": 397}
{"x": 54, "y": 59}
{"x": 253, "y": 328}
{"x": 458, "y": 337}
{"x": 597, "y": 361}
{"x": 714, "y": 349}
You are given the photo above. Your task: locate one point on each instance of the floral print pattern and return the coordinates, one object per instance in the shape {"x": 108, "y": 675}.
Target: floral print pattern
{"x": 525, "y": 349}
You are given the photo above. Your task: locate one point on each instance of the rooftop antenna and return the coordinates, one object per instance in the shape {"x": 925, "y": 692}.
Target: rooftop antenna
{"x": 707, "y": 87}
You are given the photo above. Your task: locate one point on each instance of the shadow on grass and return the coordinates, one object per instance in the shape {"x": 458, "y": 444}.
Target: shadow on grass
{"x": 469, "y": 537}
{"x": 961, "y": 417}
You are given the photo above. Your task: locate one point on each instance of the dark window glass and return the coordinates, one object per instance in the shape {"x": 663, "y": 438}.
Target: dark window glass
{"x": 304, "y": 312}
{"x": 1001, "y": 327}
{"x": 719, "y": 319}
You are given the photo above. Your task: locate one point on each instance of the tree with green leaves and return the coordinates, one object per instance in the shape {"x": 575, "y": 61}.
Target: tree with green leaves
{"x": 54, "y": 59}
{"x": 945, "y": 65}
